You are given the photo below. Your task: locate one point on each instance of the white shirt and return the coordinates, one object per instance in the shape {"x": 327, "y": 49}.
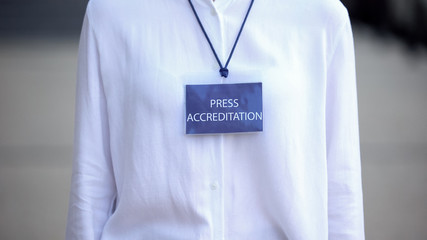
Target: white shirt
{"x": 137, "y": 175}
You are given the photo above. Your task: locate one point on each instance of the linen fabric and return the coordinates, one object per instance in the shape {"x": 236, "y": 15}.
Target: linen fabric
{"x": 137, "y": 175}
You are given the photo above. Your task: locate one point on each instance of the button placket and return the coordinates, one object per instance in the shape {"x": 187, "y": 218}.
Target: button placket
{"x": 214, "y": 24}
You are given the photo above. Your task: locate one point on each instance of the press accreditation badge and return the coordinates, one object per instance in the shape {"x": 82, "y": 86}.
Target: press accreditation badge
{"x": 224, "y": 108}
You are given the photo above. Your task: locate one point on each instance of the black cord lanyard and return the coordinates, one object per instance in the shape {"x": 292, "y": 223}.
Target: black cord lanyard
{"x": 223, "y": 69}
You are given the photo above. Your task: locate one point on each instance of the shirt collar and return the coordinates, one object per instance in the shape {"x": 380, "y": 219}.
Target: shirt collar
{"x": 218, "y": 5}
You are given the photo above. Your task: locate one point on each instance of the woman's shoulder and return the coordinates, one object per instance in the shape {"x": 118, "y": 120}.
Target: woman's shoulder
{"x": 326, "y": 14}
{"x": 333, "y": 12}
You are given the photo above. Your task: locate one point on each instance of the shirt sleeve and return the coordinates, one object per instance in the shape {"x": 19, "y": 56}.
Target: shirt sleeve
{"x": 345, "y": 201}
{"x": 92, "y": 184}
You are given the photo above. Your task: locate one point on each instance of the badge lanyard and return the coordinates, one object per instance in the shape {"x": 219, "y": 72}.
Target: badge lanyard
{"x": 223, "y": 69}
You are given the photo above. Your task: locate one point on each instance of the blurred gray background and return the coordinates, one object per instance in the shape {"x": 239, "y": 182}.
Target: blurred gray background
{"x": 38, "y": 51}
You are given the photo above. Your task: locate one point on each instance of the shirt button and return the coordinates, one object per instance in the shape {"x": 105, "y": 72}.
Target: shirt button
{"x": 213, "y": 12}
{"x": 214, "y": 186}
